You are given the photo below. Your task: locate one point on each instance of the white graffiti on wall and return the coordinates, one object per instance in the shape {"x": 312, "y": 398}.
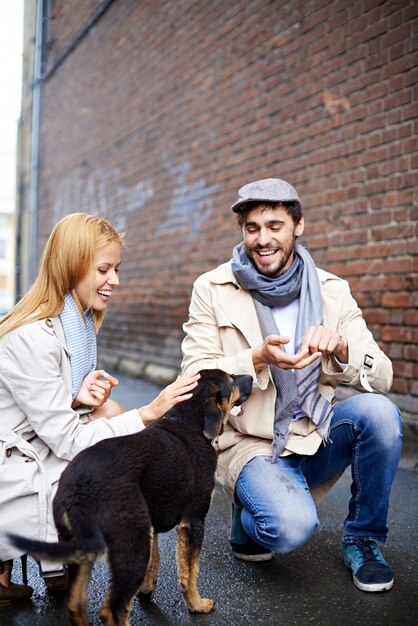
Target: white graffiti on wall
{"x": 102, "y": 193}
{"x": 191, "y": 204}
{"x": 105, "y": 193}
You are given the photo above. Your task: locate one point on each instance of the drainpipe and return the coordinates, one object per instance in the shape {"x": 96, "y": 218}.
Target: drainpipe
{"x": 34, "y": 148}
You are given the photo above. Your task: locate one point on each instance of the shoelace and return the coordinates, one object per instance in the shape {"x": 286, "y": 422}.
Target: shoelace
{"x": 367, "y": 551}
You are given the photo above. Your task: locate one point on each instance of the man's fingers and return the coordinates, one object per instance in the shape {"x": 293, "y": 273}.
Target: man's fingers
{"x": 300, "y": 360}
{"x": 307, "y": 338}
{"x": 308, "y": 360}
{"x": 277, "y": 340}
{"x": 321, "y": 339}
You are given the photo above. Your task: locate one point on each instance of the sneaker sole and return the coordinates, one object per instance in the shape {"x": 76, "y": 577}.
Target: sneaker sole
{"x": 253, "y": 557}
{"x": 370, "y": 587}
{"x": 373, "y": 587}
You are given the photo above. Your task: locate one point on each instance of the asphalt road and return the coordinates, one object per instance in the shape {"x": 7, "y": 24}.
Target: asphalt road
{"x": 310, "y": 586}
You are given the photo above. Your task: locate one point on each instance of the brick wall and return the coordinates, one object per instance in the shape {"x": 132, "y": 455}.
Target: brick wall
{"x": 154, "y": 113}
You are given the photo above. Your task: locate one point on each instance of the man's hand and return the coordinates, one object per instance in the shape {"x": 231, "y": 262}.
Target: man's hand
{"x": 318, "y": 341}
{"x": 270, "y": 352}
{"x": 95, "y": 389}
{"x": 326, "y": 341}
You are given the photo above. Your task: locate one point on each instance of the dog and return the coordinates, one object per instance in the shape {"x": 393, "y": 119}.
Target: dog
{"x": 116, "y": 496}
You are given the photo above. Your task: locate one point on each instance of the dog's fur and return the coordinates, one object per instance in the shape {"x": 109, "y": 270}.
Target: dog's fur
{"x": 116, "y": 496}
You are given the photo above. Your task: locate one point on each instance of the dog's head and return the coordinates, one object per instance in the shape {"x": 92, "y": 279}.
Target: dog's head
{"x": 219, "y": 392}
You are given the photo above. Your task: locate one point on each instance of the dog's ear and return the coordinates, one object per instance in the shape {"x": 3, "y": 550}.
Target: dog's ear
{"x": 212, "y": 420}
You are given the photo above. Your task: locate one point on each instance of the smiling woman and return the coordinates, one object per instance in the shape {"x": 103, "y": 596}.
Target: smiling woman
{"x": 95, "y": 289}
{"x": 53, "y": 401}
{"x": 75, "y": 252}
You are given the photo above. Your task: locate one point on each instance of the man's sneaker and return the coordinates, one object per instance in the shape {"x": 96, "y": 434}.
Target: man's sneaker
{"x": 370, "y": 570}
{"x": 250, "y": 551}
{"x": 242, "y": 546}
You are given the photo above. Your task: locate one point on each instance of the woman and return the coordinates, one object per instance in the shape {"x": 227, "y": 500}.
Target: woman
{"x": 53, "y": 402}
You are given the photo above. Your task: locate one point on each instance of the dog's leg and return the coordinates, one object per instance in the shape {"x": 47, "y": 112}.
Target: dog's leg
{"x": 77, "y": 603}
{"x": 149, "y": 583}
{"x": 128, "y": 553}
{"x": 189, "y": 541}
{"x": 115, "y": 611}
{"x": 105, "y": 613}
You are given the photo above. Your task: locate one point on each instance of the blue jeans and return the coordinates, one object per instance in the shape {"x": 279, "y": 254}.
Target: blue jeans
{"x": 279, "y": 512}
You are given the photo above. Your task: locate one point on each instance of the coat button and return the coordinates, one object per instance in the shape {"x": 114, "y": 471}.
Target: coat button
{"x": 9, "y": 453}
{"x": 49, "y": 323}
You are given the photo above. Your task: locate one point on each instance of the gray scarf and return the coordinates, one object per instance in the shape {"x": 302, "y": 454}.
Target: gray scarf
{"x": 295, "y": 388}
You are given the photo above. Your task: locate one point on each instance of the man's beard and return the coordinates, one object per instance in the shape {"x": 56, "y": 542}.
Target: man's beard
{"x": 277, "y": 266}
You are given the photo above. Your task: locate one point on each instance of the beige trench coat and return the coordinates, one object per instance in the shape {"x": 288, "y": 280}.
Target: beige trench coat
{"x": 221, "y": 331}
{"x": 39, "y": 432}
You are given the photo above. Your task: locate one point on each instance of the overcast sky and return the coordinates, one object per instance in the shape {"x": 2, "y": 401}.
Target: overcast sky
{"x": 11, "y": 37}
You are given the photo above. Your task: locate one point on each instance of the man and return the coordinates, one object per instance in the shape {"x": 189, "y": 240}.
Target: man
{"x": 297, "y": 330}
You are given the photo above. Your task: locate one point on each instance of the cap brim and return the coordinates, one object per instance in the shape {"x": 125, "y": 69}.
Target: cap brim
{"x": 238, "y": 206}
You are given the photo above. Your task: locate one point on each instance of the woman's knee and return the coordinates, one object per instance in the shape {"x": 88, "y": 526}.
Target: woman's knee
{"x": 109, "y": 409}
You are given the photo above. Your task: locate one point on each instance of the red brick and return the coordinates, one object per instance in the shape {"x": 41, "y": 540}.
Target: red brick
{"x": 403, "y": 368}
{"x": 410, "y": 352}
{"x": 397, "y": 300}
{"x": 400, "y": 385}
{"x": 397, "y": 333}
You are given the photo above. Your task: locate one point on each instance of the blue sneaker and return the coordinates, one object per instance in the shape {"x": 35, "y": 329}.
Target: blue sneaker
{"x": 370, "y": 570}
{"x": 243, "y": 547}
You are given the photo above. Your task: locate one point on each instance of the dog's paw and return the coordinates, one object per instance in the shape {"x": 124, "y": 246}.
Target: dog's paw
{"x": 145, "y": 594}
{"x": 204, "y": 605}
{"x": 147, "y": 588}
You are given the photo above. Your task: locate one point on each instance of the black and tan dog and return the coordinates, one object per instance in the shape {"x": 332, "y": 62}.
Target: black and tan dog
{"x": 116, "y": 496}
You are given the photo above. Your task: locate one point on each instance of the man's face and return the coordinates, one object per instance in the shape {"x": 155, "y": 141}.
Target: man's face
{"x": 269, "y": 238}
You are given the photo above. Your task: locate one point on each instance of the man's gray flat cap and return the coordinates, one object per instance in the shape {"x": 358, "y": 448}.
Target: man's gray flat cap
{"x": 265, "y": 190}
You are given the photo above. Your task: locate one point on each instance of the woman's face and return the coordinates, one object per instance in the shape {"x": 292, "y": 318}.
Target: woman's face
{"x": 95, "y": 288}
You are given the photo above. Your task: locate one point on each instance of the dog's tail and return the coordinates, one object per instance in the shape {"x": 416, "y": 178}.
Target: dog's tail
{"x": 73, "y": 551}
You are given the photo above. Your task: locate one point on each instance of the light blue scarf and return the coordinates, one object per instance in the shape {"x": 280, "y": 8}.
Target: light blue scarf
{"x": 81, "y": 341}
{"x": 295, "y": 388}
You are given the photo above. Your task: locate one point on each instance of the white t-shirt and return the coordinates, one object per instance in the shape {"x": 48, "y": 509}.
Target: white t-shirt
{"x": 285, "y": 318}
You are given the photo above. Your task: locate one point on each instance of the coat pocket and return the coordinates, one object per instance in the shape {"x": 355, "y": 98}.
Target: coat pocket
{"x": 19, "y": 476}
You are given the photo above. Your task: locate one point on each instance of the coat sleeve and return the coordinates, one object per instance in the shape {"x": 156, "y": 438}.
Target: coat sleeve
{"x": 30, "y": 366}
{"x": 368, "y": 368}
{"x": 203, "y": 347}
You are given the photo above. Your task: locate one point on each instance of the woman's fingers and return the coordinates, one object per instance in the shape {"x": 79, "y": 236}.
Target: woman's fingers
{"x": 182, "y": 387}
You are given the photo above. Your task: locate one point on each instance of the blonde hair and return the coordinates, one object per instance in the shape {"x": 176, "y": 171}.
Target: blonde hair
{"x": 67, "y": 257}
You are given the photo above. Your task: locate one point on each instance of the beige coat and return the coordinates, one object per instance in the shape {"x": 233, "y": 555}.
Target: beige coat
{"x": 222, "y": 330}
{"x": 39, "y": 432}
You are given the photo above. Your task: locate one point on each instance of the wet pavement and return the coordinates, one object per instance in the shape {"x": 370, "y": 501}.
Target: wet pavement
{"x": 310, "y": 586}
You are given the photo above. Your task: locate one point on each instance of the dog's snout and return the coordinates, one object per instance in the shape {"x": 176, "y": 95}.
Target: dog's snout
{"x": 244, "y": 382}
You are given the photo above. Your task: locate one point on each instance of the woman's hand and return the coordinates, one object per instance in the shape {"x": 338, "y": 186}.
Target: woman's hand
{"x": 179, "y": 391}
{"x": 95, "y": 389}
